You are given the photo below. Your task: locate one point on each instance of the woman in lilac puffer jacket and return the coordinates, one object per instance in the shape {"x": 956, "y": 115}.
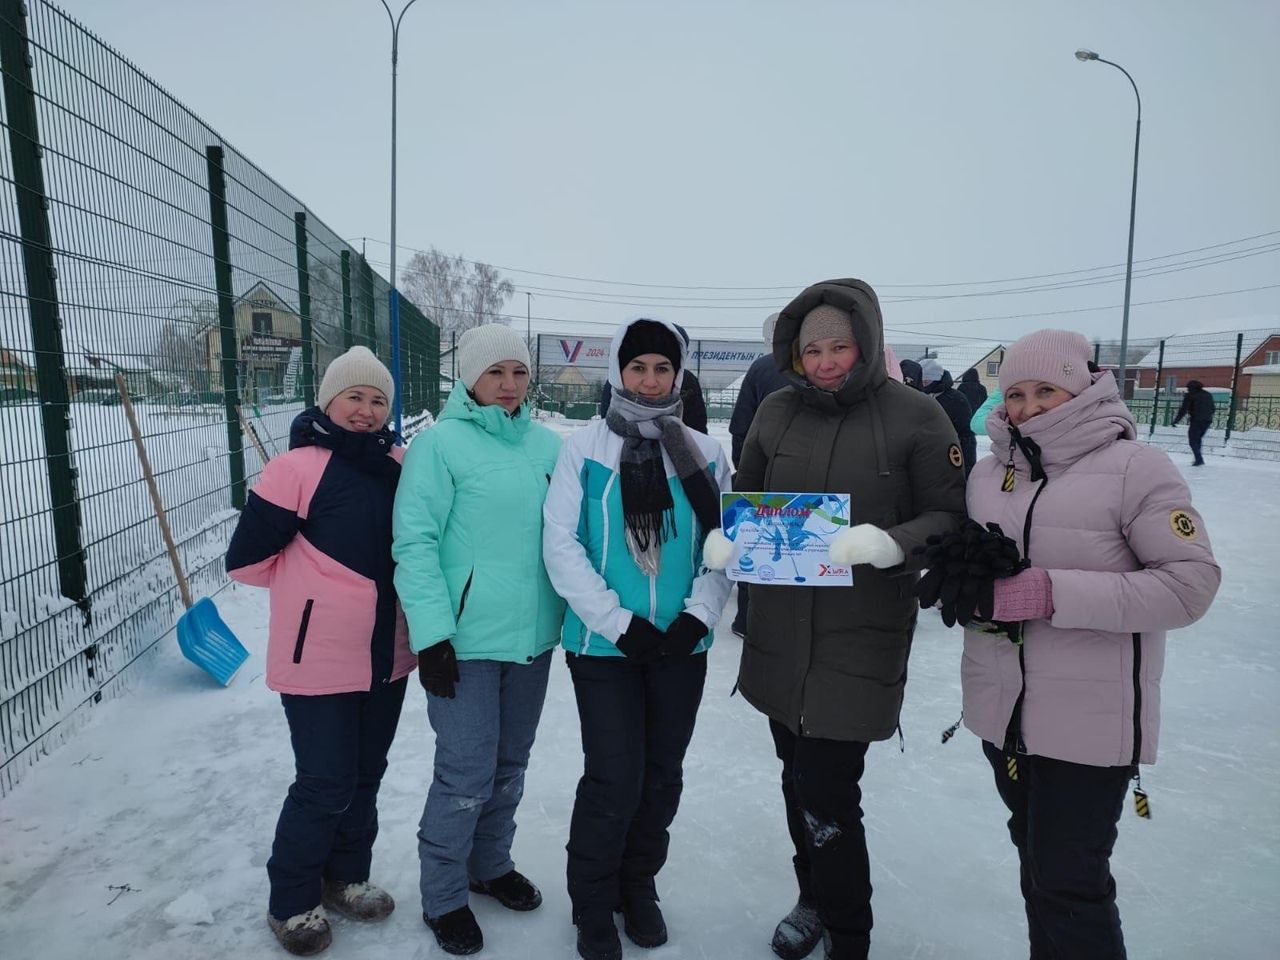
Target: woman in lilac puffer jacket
{"x": 1117, "y": 556}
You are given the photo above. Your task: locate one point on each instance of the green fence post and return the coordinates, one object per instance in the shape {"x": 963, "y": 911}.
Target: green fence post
{"x": 347, "y": 338}
{"x": 226, "y": 320}
{"x": 1235, "y": 388}
{"x": 370, "y": 319}
{"x": 42, "y": 300}
{"x": 1155, "y": 398}
{"x": 304, "y": 310}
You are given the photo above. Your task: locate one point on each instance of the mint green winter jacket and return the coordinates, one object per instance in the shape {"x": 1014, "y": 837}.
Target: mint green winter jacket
{"x": 468, "y": 534}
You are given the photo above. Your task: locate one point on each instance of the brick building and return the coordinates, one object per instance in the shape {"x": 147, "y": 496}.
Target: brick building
{"x": 1209, "y": 358}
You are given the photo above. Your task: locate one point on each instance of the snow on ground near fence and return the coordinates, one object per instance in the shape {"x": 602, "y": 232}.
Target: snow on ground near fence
{"x": 159, "y": 815}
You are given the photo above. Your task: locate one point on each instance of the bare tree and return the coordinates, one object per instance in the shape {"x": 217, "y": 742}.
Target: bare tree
{"x": 180, "y": 354}
{"x": 455, "y": 293}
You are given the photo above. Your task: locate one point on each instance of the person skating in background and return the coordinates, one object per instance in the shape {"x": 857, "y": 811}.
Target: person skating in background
{"x": 761, "y": 379}
{"x": 1197, "y": 407}
{"x": 483, "y": 620}
{"x": 1114, "y": 554}
{"x": 693, "y": 404}
{"x": 316, "y": 531}
{"x": 972, "y": 389}
{"x": 936, "y": 381}
{"x": 828, "y": 666}
{"x": 632, "y": 498}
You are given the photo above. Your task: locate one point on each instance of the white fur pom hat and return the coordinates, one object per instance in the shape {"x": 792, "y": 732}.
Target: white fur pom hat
{"x": 357, "y": 367}
{"x": 481, "y": 347}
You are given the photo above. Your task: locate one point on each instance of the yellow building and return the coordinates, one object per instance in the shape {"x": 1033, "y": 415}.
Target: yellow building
{"x": 268, "y": 343}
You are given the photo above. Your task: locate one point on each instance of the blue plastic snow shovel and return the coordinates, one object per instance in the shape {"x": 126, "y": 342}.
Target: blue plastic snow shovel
{"x": 203, "y": 637}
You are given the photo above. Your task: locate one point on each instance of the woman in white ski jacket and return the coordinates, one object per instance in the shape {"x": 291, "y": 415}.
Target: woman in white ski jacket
{"x": 631, "y": 501}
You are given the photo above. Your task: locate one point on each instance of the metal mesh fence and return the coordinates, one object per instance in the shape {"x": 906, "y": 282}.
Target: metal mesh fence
{"x": 135, "y": 242}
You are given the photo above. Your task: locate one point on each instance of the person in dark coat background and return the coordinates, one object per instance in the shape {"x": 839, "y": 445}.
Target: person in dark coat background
{"x": 694, "y": 413}
{"x": 1197, "y": 407}
{"x": 761, "y": 379}
{"x": 910, "y": 374}
{"x": 937, "y": 381}
{"x": 971, "y": 388}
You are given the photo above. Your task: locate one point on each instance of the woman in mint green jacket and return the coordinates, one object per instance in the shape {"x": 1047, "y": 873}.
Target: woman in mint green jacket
{"x": 483, "y": 619}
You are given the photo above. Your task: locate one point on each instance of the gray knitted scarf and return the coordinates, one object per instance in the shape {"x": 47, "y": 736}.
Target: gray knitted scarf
{"x": 648, "y": 427}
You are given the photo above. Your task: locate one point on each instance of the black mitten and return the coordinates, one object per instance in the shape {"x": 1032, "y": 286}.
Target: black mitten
{"x": 642, "y": 641}
{"x": 683, "y": 635}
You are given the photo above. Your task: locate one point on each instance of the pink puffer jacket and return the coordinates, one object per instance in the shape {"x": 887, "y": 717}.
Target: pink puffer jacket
{"x": 1129, "y": 558}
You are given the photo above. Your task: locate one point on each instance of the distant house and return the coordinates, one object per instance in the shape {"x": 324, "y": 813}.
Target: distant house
{"x": 269, "y": 342}
{"x": 17, "y": 377}
{"x": 1210, "y": 358}
{"x": 985, "y": 356}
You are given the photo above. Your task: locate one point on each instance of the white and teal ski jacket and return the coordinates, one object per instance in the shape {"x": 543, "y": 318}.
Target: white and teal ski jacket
{"x": 584, "y": 546}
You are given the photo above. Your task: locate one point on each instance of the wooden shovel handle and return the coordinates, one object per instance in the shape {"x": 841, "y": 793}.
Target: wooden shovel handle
{"x": 183, "y": 587}
{"x": 247, "y": 427}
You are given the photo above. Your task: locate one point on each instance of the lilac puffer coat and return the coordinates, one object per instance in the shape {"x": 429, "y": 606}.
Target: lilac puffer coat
{"x": 1129, "y": 558}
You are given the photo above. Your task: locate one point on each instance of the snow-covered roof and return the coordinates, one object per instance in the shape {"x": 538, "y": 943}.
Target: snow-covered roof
{"x": 1265, "y": 369}
{"x": 959, "y": 357}
{"x": 1208, "y": 348}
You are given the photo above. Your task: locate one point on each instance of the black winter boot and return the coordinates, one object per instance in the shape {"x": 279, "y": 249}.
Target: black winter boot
{"x": 798, "y": 932}
{"x": 643, "y": 922}
{"x": 513, "y": 890}
{"x": 597, "y": 935}
{"x": 457, "y": 931}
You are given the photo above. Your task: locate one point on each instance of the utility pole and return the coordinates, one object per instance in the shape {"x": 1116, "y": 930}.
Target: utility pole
{"x": 528, "y": 319}
{"x": 394, "y": 294}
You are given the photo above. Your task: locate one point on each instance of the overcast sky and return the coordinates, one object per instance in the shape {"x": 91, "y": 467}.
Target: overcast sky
{"x": 745, "y": 143}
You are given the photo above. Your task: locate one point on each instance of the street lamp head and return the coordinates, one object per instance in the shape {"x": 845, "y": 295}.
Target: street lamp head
{"x": 1084, "y": 56}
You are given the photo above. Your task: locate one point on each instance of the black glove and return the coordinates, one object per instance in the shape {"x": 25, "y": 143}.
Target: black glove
{"x": 683, "y": 635}
{"x": 963, "y": 568}
{"x": 642, "y": 641}
{"x": 438, "y": 669}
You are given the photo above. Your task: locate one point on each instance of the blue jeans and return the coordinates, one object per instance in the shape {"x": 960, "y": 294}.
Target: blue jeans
{"x": 330, "y": 817}
{"x": 483, "y": 739}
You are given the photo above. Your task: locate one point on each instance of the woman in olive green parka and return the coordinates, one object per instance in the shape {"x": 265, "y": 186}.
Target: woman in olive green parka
{"x": 482, "y": 618}
{"x": 828, "y": 665}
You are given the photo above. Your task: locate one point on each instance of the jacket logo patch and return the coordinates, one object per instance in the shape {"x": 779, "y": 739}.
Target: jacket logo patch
{"x": 1184, "y": 527}
{"x": 955, "y": 456}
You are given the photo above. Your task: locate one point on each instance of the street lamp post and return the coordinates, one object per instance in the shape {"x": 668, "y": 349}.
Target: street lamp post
{"x": 393, "y": 297}
{"x": 1084, "y": 56}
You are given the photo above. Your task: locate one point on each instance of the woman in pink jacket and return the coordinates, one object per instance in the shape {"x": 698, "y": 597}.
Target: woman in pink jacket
{"x": 1116, "y": 556}
{"x": 316, "y": 531}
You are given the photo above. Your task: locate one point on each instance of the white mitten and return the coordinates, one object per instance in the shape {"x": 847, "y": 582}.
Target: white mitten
{"x": 717, "y": 551}
{"x": 865, "y": 544}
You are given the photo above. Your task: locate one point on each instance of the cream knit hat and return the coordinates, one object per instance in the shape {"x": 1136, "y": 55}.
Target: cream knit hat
{"x": 481, "y": 347}
{"x": 1060, "y": 357}
{"x": 824, "y": 321}
{"x": 357, "y": 367}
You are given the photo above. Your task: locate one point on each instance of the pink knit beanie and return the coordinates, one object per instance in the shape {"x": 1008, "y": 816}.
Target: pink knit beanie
{"x": 1059, "y": 357}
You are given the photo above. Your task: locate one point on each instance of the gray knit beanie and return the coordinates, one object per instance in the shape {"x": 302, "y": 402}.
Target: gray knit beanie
{"x": 481, "y": 347}
{"x": 355, "y": 368}
{"x": 823, "y": 322}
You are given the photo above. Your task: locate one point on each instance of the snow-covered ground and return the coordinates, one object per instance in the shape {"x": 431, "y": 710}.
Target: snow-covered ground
{"x": 157, "y": 818}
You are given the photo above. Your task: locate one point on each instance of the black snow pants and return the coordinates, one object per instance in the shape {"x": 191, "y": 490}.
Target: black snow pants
{"x": 820, "y": 787}
{"x": 1063, "y": 822}
{"x": 1194, "y": 437}
{"x": 637, "y": 720}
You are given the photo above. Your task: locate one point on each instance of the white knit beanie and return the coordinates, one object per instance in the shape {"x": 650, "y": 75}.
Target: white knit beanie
{"x": 481, "y": 347}
{"x": 930, "y": 370}
{"x": 1060, "y": 357}
{"x": 357, "y": 367}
